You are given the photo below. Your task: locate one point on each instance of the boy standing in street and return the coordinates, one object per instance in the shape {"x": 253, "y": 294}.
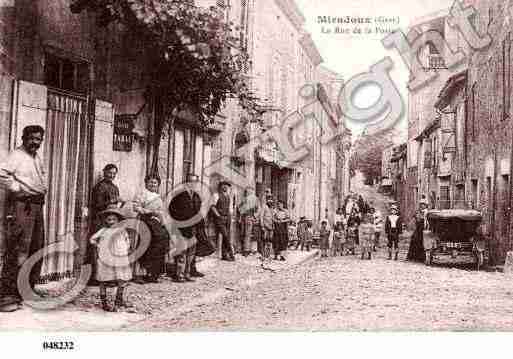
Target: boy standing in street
{"x": 393, "y": 227}
{"x": 324, "y": 237}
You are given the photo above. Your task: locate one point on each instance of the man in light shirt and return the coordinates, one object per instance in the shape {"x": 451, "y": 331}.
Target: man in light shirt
{"x": 247, "y": 213}
{"x": 222, "y": 210}
{"x": 24, "y": 178}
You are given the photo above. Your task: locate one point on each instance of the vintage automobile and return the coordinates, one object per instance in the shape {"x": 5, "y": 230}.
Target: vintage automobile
{"x": 454, "y": 232}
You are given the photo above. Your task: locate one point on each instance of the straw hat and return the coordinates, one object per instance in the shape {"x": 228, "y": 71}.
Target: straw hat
{"x": 112, "y": 209}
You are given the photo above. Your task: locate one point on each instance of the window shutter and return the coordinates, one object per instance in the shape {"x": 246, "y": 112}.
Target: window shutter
{"x": 427, "y": 159}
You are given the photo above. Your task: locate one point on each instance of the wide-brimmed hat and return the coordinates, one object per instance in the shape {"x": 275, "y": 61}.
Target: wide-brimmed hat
{"x": 112, "y": 210}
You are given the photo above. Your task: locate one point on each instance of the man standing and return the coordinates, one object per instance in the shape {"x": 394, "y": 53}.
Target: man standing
{"x": 247, "y": 210}
{"x": 267, "y": 225}
{"x": 183, "y": 207}
{"x": 222, "y": 219}
{"x": 24, "y": 177}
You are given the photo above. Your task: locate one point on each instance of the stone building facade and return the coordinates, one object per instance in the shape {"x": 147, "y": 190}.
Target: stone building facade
{"x": 80, "y": 81}
{"x": 459, "y": 142}
{"x": 284, "y": 59}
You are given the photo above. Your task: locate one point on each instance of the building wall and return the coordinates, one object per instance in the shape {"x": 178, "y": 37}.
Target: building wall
{"x": 480, "y": 169}
{"x": 421, "y": 110}
{"x": 489, "y": 129}
{"x": 49, "y": 26}
{"x": 6, "y": 83}
{"x": 422, "y": 113}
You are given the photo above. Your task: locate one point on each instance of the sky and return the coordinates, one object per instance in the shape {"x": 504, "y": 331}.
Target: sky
{"x": 351, "y": 54}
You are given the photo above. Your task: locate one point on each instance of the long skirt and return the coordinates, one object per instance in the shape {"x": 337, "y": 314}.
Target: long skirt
{"x": 416, "y": 249}
{"x": 153, "y": 259}
{"x": 281, "y": 238}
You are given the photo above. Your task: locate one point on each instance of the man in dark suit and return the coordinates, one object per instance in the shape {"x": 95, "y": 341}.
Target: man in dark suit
{"x": 184, "y": 207}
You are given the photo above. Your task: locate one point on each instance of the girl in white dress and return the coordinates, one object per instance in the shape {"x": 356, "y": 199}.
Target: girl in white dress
{"x": 113, "y": 267}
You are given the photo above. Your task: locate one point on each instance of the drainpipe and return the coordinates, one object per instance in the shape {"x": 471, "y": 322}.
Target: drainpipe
{"x": 320, "y": 174}
{"x": 494, "y": 198}
{"x": 509, "y": 195}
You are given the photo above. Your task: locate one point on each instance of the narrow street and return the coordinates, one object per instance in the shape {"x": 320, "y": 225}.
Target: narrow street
{"x": 350, "y": 294}
{"x": 346, "y": 293}
{"x": 304, "y": 293}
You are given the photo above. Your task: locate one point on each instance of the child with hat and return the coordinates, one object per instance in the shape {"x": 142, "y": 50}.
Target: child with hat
{"x": 324, "y": 237}
{"x": 393, "y": 227}
{"x": 112, "y": 264}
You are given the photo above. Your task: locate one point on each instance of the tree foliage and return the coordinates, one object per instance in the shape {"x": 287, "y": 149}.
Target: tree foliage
{"x": 367, "y": 156}
{"x": 194, "y": 56}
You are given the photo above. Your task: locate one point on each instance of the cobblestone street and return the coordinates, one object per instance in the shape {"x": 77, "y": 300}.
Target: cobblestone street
{"x": 347, "y": 293}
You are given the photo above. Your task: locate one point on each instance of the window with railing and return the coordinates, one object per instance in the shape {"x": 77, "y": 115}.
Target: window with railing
{"x": 436, "y": 61}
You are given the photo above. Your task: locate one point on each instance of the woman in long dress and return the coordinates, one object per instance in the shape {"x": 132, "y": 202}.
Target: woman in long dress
{"x": 416, "y": 250}
{"x": 149, "y": 207}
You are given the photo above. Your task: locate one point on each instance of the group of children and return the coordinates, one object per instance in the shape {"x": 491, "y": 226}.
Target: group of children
{"x": 345, "y": 236}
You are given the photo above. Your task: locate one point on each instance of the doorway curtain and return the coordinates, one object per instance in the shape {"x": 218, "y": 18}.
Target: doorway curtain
{"x": 66, "y": 132}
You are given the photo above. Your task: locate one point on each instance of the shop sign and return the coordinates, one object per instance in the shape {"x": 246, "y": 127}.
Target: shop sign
{"x": 122, "y": 134}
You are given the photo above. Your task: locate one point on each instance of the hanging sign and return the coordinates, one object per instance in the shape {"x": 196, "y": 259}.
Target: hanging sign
{"x": 122, "y": 134}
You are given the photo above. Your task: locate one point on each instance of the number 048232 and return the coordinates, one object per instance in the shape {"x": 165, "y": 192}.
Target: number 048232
{"x": 58, "y": 345}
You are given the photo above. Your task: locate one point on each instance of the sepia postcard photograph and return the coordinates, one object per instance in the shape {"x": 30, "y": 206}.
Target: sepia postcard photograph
{"x": 267, "y": 168}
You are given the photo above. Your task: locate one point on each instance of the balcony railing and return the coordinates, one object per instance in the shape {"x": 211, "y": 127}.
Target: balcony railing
{"x": 436, "y": 62}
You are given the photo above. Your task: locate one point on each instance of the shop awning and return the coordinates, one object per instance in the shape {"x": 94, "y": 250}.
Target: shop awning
{"x": 433, "y": 125}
